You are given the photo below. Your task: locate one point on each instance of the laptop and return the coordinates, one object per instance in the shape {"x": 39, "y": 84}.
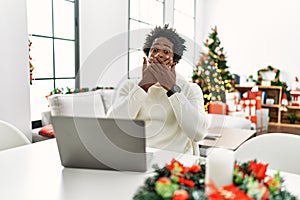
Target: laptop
{"x": 213, "y": 133}
{"x": 101, "y": 143}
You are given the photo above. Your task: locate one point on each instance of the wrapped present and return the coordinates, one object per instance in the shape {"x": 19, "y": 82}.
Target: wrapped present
{"x": 262, "y": 120}
{"x": 253, "y": 119}
{"x": 248, "y": 105}
{"x": 253, "y": 95}
{"x": 257, "y": 95}
{"x": 232, "y": 99}
{"x": 218, "y": 107}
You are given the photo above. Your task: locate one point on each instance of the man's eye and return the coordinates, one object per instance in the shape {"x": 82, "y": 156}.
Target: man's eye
{"x": 166, "y": 51}
{"x": 154, "y": 50}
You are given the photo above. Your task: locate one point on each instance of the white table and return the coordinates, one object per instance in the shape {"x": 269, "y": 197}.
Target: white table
{"x": 34, "y": 172}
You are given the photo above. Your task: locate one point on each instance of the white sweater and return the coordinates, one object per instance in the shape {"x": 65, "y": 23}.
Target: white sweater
{"x": 173, "y": 123}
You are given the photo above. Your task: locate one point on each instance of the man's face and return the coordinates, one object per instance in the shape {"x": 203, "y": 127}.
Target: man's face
{"x": 161, "y": 52}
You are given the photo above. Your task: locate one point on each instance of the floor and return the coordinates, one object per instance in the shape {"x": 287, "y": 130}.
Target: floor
{"x": 283, "y": 129}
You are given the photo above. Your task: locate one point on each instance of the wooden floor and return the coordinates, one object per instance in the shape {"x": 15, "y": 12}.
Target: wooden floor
{"x": 283, "y": 129}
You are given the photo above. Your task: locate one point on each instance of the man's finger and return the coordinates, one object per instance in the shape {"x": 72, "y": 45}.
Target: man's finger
{"x": 151, "y": 69}
{"x": 144, "y": 63}
{"x": 154, "y": 67}
{"x": 160, "y": 60}
{"x": 173, "y": 68}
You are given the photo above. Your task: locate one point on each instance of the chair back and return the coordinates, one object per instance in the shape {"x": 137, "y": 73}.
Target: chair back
{"x": 10, "y": 136}
{"x": 279, "y": 150}
{"x": 227, "y": 121}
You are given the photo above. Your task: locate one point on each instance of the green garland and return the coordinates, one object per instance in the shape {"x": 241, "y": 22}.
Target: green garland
{"x": 31, "y": 67}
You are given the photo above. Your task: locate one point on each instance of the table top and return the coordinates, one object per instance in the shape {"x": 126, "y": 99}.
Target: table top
{"x": 34, "y": 172}
{"x": 231, "y": 138}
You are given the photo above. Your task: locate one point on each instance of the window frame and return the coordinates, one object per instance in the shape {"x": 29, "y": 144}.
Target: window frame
{"x": 168, "y": 10}
{"x": 76, "y": 77}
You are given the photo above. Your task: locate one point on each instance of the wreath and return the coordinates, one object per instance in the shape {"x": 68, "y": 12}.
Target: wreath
{"x": 275, "y": 81}
{"x": 177, "y": 182}
{"x": 268, "y": 69}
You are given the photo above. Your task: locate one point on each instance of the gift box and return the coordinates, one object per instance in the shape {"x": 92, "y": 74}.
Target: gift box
{"x": 248, "y": 105}
{"x": 262, "y": 120}
{"x": 218, "y": 107}
{"x": 257, "y": 96}
{"x": 232, "y": 99}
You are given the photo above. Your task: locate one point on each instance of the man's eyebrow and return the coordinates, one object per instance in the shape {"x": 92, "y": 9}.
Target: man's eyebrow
{"x": 157, "y": 43}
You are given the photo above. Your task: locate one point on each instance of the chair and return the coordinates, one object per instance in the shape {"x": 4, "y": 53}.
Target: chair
{"x": 217, "y": 120}
{"x": 280, "y": 150}
{"x": 11, "y": 137}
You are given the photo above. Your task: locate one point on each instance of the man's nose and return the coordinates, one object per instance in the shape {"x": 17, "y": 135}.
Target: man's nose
{"x": 160, "y": 54}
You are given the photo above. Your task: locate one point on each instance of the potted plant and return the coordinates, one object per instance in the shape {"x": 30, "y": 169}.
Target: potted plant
{"x": 292, "y": 118}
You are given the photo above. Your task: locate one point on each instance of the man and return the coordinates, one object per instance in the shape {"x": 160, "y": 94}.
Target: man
{"x": 172, "y": 108}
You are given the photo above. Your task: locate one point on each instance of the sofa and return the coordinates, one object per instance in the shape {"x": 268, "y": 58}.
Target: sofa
{"x": 96, "y": 104}
{"x": 84, "y": 104}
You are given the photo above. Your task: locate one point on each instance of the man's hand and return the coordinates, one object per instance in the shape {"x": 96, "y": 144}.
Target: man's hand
{"x": 163, "y": 72}
{"x": 147, "y": 79}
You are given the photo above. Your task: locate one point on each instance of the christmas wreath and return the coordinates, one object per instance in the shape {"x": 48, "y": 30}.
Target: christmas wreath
{"x": 177, "y": 182}
{"x": 267, "y": 69}
{"x": 276, "y": 81}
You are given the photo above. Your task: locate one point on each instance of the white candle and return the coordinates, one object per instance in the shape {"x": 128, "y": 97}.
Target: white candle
{"x": 219, "y": 167}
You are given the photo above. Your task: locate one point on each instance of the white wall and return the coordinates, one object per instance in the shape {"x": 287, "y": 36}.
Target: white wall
{"x": 103, "y": 37}
{"x": 254, "y": 34}
{"x": 257, "y": 33}
{"x": 14, "y": 81}
{"x": 103, "y": 40}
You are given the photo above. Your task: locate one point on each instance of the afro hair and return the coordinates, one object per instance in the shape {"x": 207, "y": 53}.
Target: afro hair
{"x": 170, "y": 34}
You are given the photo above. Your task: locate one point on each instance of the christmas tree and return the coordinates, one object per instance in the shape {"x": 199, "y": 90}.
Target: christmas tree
{"x": 211, "y": 72}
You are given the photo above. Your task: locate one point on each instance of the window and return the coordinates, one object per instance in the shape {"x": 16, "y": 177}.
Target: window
{"x": 145, "y": 15}
{"x": 184, "y": 22}
{"x": 53, "y": 32}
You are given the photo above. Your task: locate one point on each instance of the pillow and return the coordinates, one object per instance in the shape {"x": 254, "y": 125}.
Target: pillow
{"x": 47, "y": 131}
{"x": 46, "y": 118}
{"x": 86, "y": 104}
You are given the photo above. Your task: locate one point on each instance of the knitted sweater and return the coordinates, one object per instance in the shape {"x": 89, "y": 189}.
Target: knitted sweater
{"x": 173, "y": 123}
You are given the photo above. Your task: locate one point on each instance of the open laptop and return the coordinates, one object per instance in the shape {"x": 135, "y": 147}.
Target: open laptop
{"x": 213, "y": 133}
{"x": 101, "y": 143}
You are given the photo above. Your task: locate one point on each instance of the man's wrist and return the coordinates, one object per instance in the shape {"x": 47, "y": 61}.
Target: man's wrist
{"x": 145, "y": 86}
{"x": 173, "y": 90}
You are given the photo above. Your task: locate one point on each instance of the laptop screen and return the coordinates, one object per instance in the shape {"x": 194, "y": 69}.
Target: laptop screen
{"x": 101, "y": 143}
